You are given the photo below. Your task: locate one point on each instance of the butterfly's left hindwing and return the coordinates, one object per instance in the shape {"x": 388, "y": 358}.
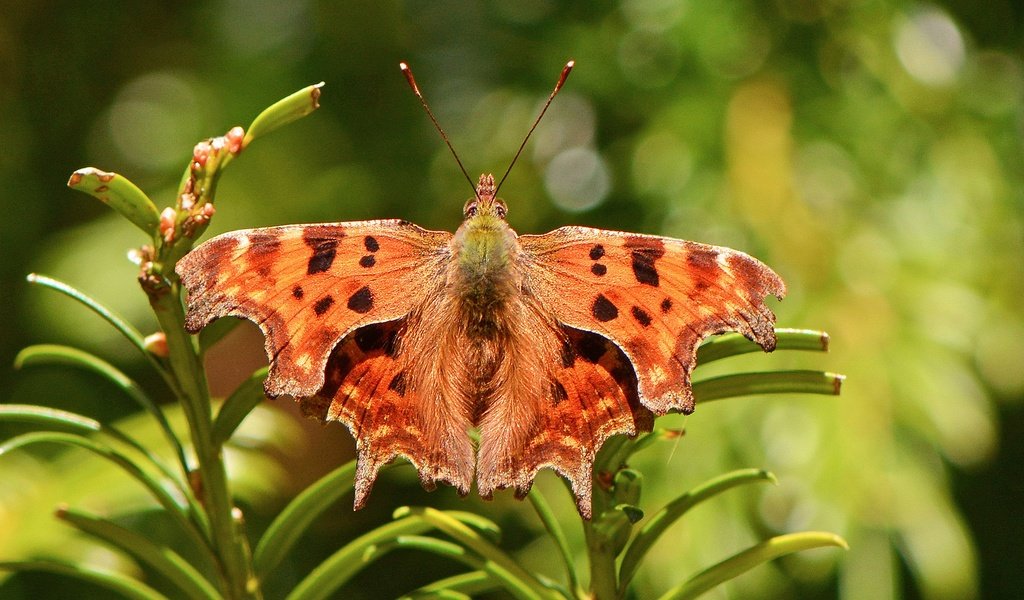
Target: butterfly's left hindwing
{"x": 368, "y": 387}
{"x": 655, "y": 297}
{"x": 307, "y": 286}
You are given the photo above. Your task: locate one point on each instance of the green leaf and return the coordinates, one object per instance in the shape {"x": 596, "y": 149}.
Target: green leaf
{"x": 50, "y": 417}
{"x": 520, "y": 582}
{"x": 115, "y": 582}
{"x": 298, "y": 516}
{"x": 742, "y": 562}
{"x": 53, "y": 354}
{"x": 284, "y": 111}
{"x": 238, "y": 406}
{"x": 457, "y": 552}
{"x": 348, "y": 560}
{"x": 120, "y": 194}
{"x": 671, "y": 512}
{"x": 81, "y": 425}
{"x": 733, "y": 344}
{"x": 463, "y": 585}
{"x": 136, "y": 472}
{"x": 442, "y": 594}
{"x": 431, "y": 545}
{"x": 543, "y": 510}
{"x": 771, "y": 382}
{"x": 295, "y": 519}
{"x": 634, "y": 514}
{"x": 132, "y": 334}
{"x": 627, "y": 486}
{"x": 161, "y": 558}
{"x": 484, "y": 526}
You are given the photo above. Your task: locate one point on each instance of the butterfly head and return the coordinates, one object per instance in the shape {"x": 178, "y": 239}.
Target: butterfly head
{"x": 484, "y": 243}
{"x": 485, "y": 206}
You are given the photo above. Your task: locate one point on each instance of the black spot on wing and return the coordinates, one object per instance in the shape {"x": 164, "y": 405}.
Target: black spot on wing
{"x": 371, "y": 243}
{"x": 596, "y": 252}
{"x": 641, "y": 316}
{"x": 367, "y": 261}
{"x": 643, "y": 266}
{"x": 361, "y": 301}
{"x": 598, "y": 269}
{"x": 297, "y": 292}
{"x": 603, "y": 309}
{"x": 323, "y": 256}
{"x": 323, "y": 304}
{"x": 263, "y": 244}
{"x": 558, "y": 393}
{"x": 398, "y": 383}
{"x": 666, "y": 305}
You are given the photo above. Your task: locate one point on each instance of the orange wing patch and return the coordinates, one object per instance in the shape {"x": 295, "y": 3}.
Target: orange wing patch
{"x": 593, "y": 396}
{"x": 655, "y": 297}
{"x": 307, "y": 286}
{"x": 368, "y": 388}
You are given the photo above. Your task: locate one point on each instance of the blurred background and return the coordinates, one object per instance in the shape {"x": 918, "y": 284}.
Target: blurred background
{"x": 869, "y": 151}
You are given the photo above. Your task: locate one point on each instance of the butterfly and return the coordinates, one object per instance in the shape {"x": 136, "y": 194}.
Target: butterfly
{"x": 547, "y": 344}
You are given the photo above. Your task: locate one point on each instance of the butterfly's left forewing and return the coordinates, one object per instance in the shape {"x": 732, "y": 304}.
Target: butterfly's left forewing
{"x": 655, "y": 297}
{"x": 307, "y": 286}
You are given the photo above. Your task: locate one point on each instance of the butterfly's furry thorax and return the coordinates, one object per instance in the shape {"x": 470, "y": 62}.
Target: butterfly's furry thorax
{"x": 484, "y": 251}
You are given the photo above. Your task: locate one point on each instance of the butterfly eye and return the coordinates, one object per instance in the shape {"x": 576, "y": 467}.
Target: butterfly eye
{"x": 502, "y": 211}
{"x": 471, "y": 210}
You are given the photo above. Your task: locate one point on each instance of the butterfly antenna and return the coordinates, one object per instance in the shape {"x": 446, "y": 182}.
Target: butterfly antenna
{"x": 561, "y": 80}
{"x": 416, "y": 90}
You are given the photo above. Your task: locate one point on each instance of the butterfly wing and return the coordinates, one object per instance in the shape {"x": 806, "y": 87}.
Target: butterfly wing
{"x": 590, "y": 395}
{"x": 655, "y": 297}
{"x": 307, "y": 286}
{"x": 369, "y": 387}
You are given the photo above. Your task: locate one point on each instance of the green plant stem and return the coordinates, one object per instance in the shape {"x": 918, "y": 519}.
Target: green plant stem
{"x": 673, "y": 511}
{"x": 758, "y": 554}
{"x": 159, "y": 557}
{"x": 44, "y": 354}
{"x": 540, "y": 505}
{"x": 465, "y": 584}
{"x": 348, "y": 560}
{"x": 50, "y": 417}
{"x": 771, "y": 382}
{"x": 191, "y": 389}
{"x": 526, "y": 584}
{"x": 603, "y": 584}
{"x": 133, "y": 335}
{"x": 111, "y": 580}
{"x": 456, "y": 552}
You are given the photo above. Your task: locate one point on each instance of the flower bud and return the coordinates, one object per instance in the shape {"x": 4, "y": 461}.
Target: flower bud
{"x": 156, "y": 344}
{"x": 167, "y": 223}
{"x": 234, "y": 139}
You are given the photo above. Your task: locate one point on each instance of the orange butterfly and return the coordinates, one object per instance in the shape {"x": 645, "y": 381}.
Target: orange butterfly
{"x": 548, "y": 344}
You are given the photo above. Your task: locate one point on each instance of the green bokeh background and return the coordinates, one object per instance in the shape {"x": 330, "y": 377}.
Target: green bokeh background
{"x": 871, "y": 152}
